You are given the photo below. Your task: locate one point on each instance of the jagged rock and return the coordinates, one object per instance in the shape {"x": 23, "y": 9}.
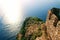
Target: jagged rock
{"x": 53, "y": 24}
{"x": 19, "y": 36}
{"x": 31, "y": 29}
{"x": 43, "y": 37}
{"x": 50, "y": 30}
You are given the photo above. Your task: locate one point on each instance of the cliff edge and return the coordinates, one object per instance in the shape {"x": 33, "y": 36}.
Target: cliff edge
{"x": 35, "y": 29}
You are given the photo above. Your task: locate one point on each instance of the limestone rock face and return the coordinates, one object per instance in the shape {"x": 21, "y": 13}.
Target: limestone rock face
{"x": 53, "y": 25}
{"x": 50, "y": 29}
{"x": 43, "y": 37}
{"x": 31, "y": 30}
{"x": 19, "y": 36}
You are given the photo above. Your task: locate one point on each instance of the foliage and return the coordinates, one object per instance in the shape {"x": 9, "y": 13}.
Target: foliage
{"x": 56, "y": 11}
{"x": 30, "y": 21}
{"x": 33, "y": 37}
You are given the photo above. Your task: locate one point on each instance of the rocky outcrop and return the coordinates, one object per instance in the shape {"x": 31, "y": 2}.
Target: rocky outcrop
{"x": 52, "y": 26}
{"x": 31, "y": 29}
{"x": 50, "y": 29}
{"x": 52, "y": 23}
{"x": 19, "y": 36}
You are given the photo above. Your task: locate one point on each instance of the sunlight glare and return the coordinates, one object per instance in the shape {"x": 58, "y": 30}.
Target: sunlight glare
{"x": 12, "y": 11}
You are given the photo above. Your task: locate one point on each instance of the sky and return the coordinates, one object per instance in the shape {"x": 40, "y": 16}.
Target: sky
{"x": 13, "y": 10}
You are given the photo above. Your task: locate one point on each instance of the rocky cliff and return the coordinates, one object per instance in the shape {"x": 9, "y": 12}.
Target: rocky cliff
{"x": 53, "y": 24}
{"x": 36, "y": 29}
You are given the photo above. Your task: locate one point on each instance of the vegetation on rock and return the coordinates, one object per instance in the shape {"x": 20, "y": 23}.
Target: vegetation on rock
{"x": 32, "y": 25}
{"x": 56, "y": 11}
{"x": 34, "y": 28}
